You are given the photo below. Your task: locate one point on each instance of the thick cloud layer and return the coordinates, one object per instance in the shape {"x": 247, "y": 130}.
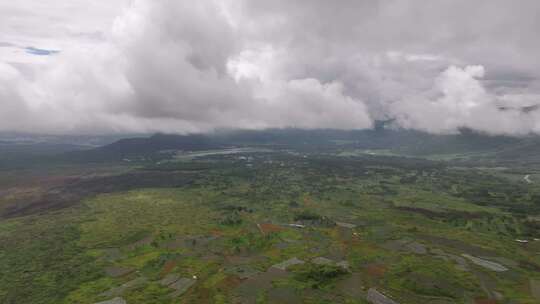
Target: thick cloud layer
{"x": 184, "y": 66}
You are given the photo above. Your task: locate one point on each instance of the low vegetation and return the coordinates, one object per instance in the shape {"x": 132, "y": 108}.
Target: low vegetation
{"x": 210, "y": 229}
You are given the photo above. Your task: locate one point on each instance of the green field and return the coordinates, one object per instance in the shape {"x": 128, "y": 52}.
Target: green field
{"x": 218, "y": 223}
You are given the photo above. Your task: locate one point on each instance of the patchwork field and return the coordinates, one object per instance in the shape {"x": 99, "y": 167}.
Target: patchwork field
{"x": 272, "y": 227}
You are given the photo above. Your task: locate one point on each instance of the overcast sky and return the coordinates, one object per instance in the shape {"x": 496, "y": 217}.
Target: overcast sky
{"x": 87, "y": 66}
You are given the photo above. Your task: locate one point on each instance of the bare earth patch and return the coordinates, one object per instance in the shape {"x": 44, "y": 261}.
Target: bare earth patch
{"x": 267, "y": 228}
{"x": 376, "y": 270}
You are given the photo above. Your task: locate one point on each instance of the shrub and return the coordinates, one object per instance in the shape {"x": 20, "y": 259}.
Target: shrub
{"x": 306, "y": 215}
{"x": 317, "y": 276}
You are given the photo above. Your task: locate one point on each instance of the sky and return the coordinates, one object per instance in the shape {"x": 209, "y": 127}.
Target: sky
{"x": 178, "y": 66}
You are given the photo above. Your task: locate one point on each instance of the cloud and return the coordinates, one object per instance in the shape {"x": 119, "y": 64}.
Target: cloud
{"x": 458, "y": 99}
{"x": 12, "y": 105}
{"x": 179, "y": 66}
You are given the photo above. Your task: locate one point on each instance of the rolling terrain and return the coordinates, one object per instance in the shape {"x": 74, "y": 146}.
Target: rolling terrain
{"x": 281, "y": 216}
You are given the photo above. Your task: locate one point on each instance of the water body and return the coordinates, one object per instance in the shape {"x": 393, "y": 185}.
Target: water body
{"x": 192, "y": 155}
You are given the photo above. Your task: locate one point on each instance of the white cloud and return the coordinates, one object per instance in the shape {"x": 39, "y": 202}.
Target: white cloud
{"x": 458, "y": 99}
{"x": 184, "y": 66}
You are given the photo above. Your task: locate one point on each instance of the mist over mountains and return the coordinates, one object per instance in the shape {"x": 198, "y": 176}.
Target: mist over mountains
{"x": 465, "y": 145}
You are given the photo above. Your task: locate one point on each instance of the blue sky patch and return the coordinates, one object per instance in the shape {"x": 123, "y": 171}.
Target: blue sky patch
{"x": 40, "y": 52}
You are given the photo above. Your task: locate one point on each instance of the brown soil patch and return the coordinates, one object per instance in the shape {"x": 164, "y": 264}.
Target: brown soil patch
{"x": 229, "y": 283}
{"x": 267, "y": 228}
{"x": 216, "y": 233}
{"x": 168, "y": 267}
{"x": 196, "y": 294}
{"x": 307, "y": 201}
{"x": 376, "y": 270}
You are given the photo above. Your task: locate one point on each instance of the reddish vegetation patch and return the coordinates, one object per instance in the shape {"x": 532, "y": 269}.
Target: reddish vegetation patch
{"x": 376, "y": 270}
{"x": 307, "y": 201}
{"x": 356, "y": 239}
{"x": 168, "y": 267}
{"x": 197, "y": 295}
{"x": 216, "y": 233}
{"x": 485, "y": 301}
{"x": 344, "y": 244}
{"x": 267, "y": 228}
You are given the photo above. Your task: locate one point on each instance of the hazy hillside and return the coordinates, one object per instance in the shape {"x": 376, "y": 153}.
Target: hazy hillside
{"x": 466, "y": 145}
{"x": 402, "y": 142}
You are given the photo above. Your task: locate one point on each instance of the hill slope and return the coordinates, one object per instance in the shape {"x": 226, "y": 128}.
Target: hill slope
{"x": 402, "y": 142}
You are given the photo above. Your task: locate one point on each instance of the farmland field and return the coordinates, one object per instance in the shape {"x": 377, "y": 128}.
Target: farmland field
{"x": 262, "y": 226}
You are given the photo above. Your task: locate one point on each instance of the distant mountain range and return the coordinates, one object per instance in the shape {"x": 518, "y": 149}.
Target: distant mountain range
{"x": 466, "y": 145}
{"x": 400, "y": 142}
